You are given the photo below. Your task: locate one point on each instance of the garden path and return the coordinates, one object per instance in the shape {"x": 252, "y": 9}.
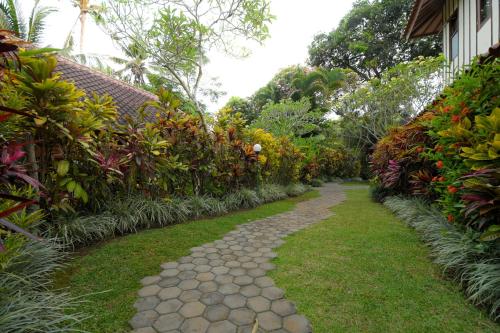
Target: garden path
{"x": 222, "y": 286}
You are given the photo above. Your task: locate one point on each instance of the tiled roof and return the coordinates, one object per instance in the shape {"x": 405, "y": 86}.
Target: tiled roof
{"x": 127, "y": 98}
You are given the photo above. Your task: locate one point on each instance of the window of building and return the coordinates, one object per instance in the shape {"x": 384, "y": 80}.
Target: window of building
{"x": 454, "y": 36}
{"x": 483, "y": 12}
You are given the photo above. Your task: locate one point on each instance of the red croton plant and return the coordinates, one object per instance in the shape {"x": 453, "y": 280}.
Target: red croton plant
{"x": 12, "y": 153}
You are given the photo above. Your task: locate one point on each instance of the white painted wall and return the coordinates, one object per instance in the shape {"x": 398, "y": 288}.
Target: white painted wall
{"x": 472, "y": 42}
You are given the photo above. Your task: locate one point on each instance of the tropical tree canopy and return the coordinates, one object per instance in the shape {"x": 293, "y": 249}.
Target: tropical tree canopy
{"x": 369, "y": 40}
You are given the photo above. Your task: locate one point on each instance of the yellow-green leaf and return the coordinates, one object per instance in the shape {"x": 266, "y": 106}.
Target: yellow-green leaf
{"x": 40, "y": 121}
{"x": 62, "y": 168}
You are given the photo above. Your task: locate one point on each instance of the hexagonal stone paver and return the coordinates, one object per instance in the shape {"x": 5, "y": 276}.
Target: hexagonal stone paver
{"x": 146, "y": 303}
{"x": 243, "y": 280}
{"x": 283, "y": 307}
{"x": 168, "y": 322}
{"x": 235, "y": 301}
{"x": 228, "y": 288}
{"x": 237, "y": 272}
{"x": 272, "y": 293}
{"x": 200, "y": 261}
{"x": 204, "y": 277}
{"x": 190, "y": 296}
{"x": 167, "y": 293}
{"x": 150, "y": 280}
{"x": 149, "y": 290}
{"x": 144, "y": 330}
{"x": 222, "y": 327}
{"x": 212, "y": 298}
{"x": 242, "y": 316}
{"x": 170, "y": 272}
{"x": 169, "y": 282}
{"x": 189, "y": 284}
{"x": 259, "y": 304}
{"x": 143, "y": 319}
{"x": 264, "y": 282}
{"x": 187, "y": 275}
{"x": 269, "y": 321}
{"x": 186, "y": 267}
{"x": 216, "y": 312}
{"x": 169, "y": 306}
{"x": 195, "y": 325}
{"x": 193, "y": 309}
{"x": 203, "y": 268}
{"x": 207, "y": 287}
{"x": 250, "y": 290}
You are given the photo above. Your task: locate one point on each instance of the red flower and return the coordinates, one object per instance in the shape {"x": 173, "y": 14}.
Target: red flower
{"x": 465, "y": 111}
{"x": 455, "y": 118}
{"x": 440, "y": 164}
{"x": 439, "y": 148}
{"x": 442, "y": 179}
{"x": 452, "y": 189}
{"x": 451, "y": 218}
{"x": 447, "y": 109}
{"x": 434, "y": 179}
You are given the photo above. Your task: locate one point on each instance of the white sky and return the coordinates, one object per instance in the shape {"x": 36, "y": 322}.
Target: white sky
{"x": 297, "y": 21}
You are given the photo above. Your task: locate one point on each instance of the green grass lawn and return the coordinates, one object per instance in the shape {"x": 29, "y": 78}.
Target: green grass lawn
{"x": 113, "y": 270}
{"x": 364, "y": 271}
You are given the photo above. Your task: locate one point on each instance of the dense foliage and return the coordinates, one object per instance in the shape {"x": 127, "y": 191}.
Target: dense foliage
{"x": 450, "y": 153}
{"x": 449, "y": 157}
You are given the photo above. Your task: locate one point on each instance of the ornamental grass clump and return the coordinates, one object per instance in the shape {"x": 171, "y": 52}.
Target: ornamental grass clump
{"x": 205, "y": 206}
{"x": 474, "y": 264}
{"x": 271, "y": 192}
{"x": 294, "y": 190}
{"x": 27, "y": 303}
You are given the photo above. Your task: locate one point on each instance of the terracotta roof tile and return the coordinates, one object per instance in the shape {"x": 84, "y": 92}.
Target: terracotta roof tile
{"x": 127, "y": 98}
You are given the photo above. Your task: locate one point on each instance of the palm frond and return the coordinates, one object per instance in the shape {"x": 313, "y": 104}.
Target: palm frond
{"x": 36, "y": 23}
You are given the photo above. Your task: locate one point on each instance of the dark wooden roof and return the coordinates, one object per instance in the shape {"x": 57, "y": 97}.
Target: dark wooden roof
{"x": 128, "y": 98}
{"x": 426, "y": 19}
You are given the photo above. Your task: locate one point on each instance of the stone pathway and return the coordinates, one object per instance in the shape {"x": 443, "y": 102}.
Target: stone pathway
{"x": 222, "y": 286}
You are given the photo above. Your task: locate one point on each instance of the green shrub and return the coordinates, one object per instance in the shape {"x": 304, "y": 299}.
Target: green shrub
{"x": 316, "y": 182}
{"x": 475, "y": 265}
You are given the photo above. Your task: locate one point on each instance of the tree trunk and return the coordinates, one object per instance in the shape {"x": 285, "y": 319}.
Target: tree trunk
{"x": 83, "y": 19}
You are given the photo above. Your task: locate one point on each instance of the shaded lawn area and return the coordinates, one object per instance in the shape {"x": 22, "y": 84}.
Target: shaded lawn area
{"x": 115, "y": 268}
{"x": 363, "y": 270}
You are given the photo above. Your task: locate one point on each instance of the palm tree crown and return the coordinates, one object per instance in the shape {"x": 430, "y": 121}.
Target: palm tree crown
{"x": 11, "y": 18}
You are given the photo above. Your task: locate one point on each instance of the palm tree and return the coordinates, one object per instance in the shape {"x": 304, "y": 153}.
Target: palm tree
{"x": 11, "y": 18}
{"x": 134, "y": 66}
{"x": 86, "y": 8}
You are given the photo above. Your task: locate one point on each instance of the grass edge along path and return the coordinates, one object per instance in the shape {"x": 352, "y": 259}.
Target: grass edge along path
{"x": 111, "y": 271}
{"x": 363, "y": 270}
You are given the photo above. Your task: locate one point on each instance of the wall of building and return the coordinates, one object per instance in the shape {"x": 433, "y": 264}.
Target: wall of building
{"x": 472, "y": 41}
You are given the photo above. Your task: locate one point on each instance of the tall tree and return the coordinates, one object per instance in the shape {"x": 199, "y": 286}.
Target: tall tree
{"x": 178, "y": 34}
{"x": 86, "y": 9}
{"x": 12, "y": 18}
{"x": 297, "y": 82}
{"x": 369, "y": 40}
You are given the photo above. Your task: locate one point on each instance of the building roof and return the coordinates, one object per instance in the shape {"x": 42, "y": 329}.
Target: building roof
{"x": 127, "y": 98}
{"x": 426, "y": 19}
